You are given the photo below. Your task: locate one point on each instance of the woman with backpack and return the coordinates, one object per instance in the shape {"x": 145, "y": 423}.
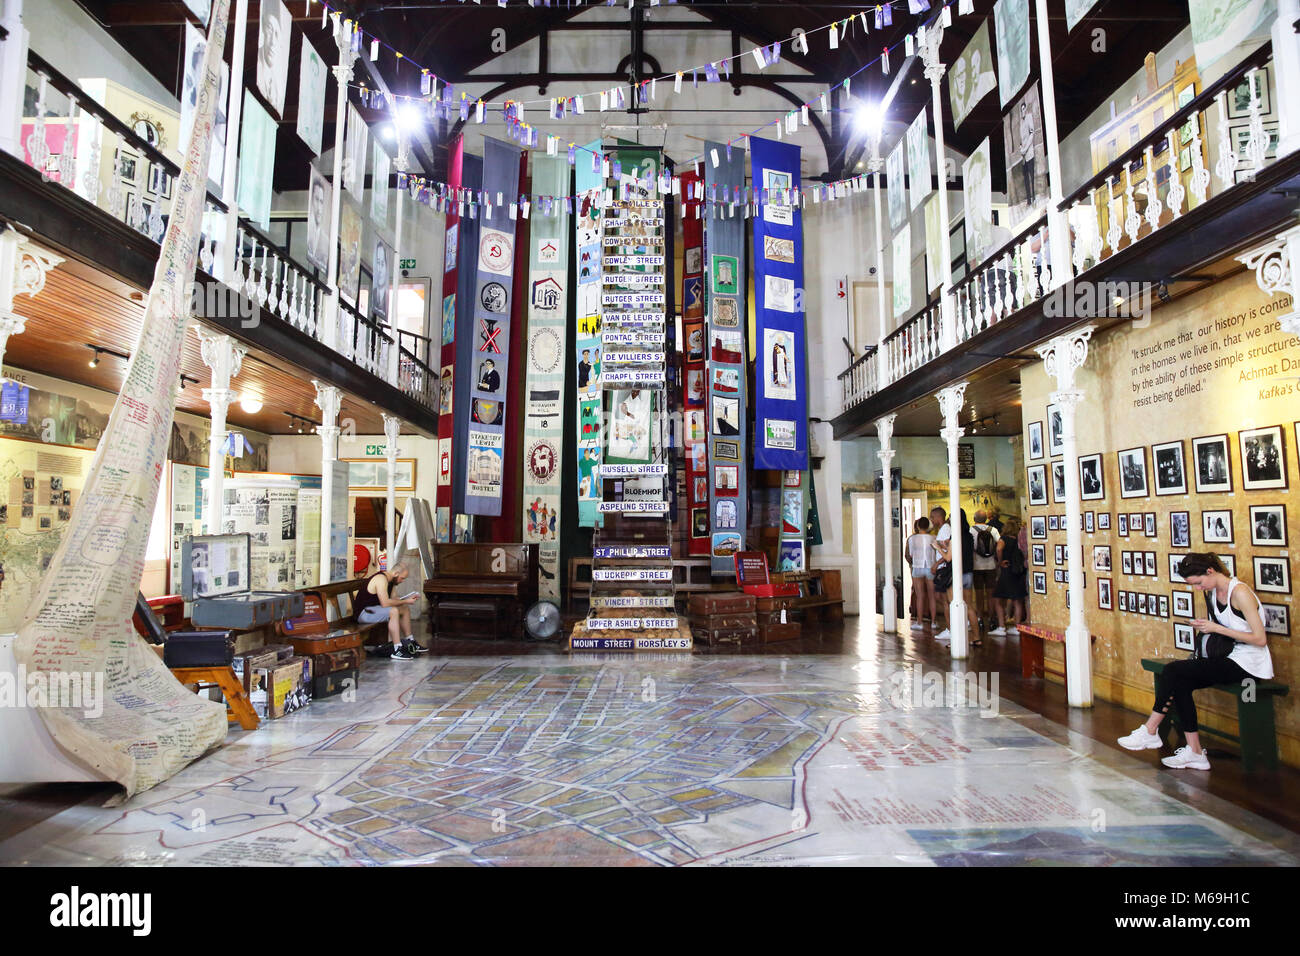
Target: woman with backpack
{"x": 1009, "y": 595}
{"x": 944, "y": 545}
{"x": 1231, "y": 647}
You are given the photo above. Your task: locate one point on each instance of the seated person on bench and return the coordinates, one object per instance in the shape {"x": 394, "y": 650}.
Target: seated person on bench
{"x": 1237, "y": 614}
{"x": 374, "y": 605}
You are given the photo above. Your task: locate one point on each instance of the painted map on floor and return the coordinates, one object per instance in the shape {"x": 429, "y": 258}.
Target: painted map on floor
{"x": 639, "y": 761}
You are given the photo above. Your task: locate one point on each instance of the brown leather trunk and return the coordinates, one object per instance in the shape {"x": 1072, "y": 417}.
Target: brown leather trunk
{"x": 726, "y": 602}
{"x": 326, "y": 643}
{"x": 730, "y": 635}
{"x": 346, "y": 659}
{"x": 769, "y": 604}
{"x": 722, "y": 622}
{"x": 775, "y": 633}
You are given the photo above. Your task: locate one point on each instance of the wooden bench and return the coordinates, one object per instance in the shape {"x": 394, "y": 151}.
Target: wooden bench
{"x": 1032, "y": 659}
{"x": 481, "y": 584}
{"x": 1255, "y": 724}
{"x": 333, "y": 595}
{"x": 820, "y": 598}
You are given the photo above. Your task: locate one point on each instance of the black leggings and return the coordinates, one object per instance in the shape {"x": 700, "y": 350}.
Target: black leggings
{"x": 1179, "y": 678}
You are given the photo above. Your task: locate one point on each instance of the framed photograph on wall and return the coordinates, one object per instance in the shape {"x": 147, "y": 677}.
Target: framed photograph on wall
{"x": 1164, "y": 606}
{"x": 1149, "y": 524}
{"x": 1180, "y": 529}
{"x": 1059, "y": 576}
{"x": 1142, "y": 603}
{"x": 1268, "y": 526}
{"x": 1040, "y": 582}
{"x": 1239, "y": 97}
{"x": 1213, "y": 464}
{"x": 1174, "y": 576}
{"x": 1183, "y": 604}
{"x": 1151, "y": 563}
{"x": 1055, "y": 432}
{"x": 1089, "y": 522}
{"x": 1216, "y": 527}
{"x": 1092, "y": 484}
{"x": 1126, "y": 562}
{"x": 1123, "y": 525}
{"x": 1133, "y": 473}
{"x": 1169, "y": 467}
{"x": 1038, "y": 526}
{"x": 1104, "y": 600}
{"x": 1277, "y": 619}
{"x": 1058, "y": 482}
{"x": 1038, "y": 554}
{"x": 1123, "y": 601}
{"x": 1263, "y": 458}
{"x": 1037, "y": 476}
{"x": 1103, "y": 520}
{"x": 1184, "y": 637}
{"x": 1035, "y": 448}
{"x": 1059, "y": 554}
{"x": 1101, "y": 557}
{"x": 1229, "y": 562}
{"x": 1272, "y": 574}
{"x": 1053, "y": 523}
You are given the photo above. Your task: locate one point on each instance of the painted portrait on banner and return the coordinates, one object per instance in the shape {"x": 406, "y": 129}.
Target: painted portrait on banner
{"x": 319, "y": 200}
{"x": 1022, "y": 134}
{"x": 1224, "y": 31}
{"x": 449, "y": 319}
{"x": 349, "y": 250}
{"x": 274, "y": 31}
{"x": 195, "y": 44}
{"x": 354, "y": 154}
{"x": 903, "y": 270}
{"x": 918, "y": 160}
{"x": 630, "y": 425}
{"x": 1076, "y": 10}
{"x": 895, "y": 165}
{"x": 776, "y": 210}
{"x": 450, "y": 247}
{"x": 381, "y": 279}
{"x": 933, "y": 244}
{"x": 1011, "y": 27}
{"x": 971, "y": 76}
{"x": 790, "y": 556}
{"x": 379, "y": 186}
{"x": 977, "y": 191}
{"x": 312, "y": 78}
{"x": 256, "y": 161}
{"x": 778, "y": 364}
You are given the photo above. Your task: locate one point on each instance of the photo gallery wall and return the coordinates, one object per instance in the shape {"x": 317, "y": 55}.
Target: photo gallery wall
{"x": 1146, "y": 507}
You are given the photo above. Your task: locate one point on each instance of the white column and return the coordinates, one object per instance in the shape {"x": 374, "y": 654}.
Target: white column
{"x": 403, "y": 166}
{"x": 889, "y": 595}
{"x": 343, "y": 76}
{"x": 1058, "y": 224}
{"x": 1286, "y": 58}
{"x": 230, "y": 162}
{"x": 13, "y": 75}
{"x": 1276, "y": 265}
{"x": 23, "y": 267}
{"x": 224, "y": 357}
{"x": 328, "y": 400}
{"x": 934, "y": 70}
{"x": 882, "y": 308}
{"x": 1062, "y": 357}
{"x": 950, "y": 403}
{"x": 392, "y": 431}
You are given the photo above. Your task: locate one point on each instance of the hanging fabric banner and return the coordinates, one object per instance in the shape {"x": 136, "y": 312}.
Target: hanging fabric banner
{"x": 467, "y": 343}
{"x": 781, "y": 406}
{"x": 548, "y": 276}
{"x": 694, "y": 367}
{"x": 724, "y": 275}
{"x": 447, "y": 340}
{"x": 589, "y": 183}
{"x": 489, "y": 363}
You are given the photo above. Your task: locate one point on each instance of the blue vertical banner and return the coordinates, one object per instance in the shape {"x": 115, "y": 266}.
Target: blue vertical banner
{"x": 466, "y": 340}
{"x": 780, "y": 379}
{"x": 725, "y": 413}
{"x": 488, "y": 371}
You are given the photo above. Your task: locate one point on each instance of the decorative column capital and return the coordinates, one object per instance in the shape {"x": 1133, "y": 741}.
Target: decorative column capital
{"x": 23, "y": 268}
{"x": 885, "y": 430}
{"x": 1065, "y": 355}
{"x": 392, "y": 432}
{"x": 1276, "y": 264}
{"x": 329, "y": 399}
{"x": 222, "y": 354}
{"x": 929, "y": 40}
{"x": 951, "y": 400}
{"x": 219, "y": 399}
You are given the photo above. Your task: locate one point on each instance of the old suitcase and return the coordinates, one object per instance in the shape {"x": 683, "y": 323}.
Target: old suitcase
{"x": 725, "y": 602}
{"x": 723, "y": 622}
{"x": 775, "y": 633}
{"x": 346, "y": 659}
{"x": 311, "y": 645}
{"x": 327, "y": 685}
{"x": 283, "y": 652}
{"x": 313, "y": 620}
{"x": 766, "y": 605}
{"x": 776, "y": 617}
{"x": 199, "y": 649}
{"x": 731, "y": 635}
{"x": 247, "y": 665}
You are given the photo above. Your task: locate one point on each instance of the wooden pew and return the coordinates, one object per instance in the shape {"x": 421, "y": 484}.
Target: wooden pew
{"x": 481, "y": 590}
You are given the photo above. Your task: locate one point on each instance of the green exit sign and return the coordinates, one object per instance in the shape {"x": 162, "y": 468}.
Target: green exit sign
{"x": 408, "y": 264}
{"x": 376, "y": 450}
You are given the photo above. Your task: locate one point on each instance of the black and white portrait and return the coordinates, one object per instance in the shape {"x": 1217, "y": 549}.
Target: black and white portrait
{"x": 273, "y": 34}
{"x": 1103, "y": 520}
{"x": 1123, "y": 600}
{"x": 1103, "y": 594}
{"x": 1180, "y": 529}
{"x": 1035, "y": 441}
{"x": 1038, "y": 526}
{"x": 1058, "y": 482}
{"x": 1039, "y": 554}
{"x": 1123, "y": 526}
{"x": 1268, "y": 525}
{"x": 1183, "y": 604}
{"x": 1091, "y": 482}
{"x": 1055, "y": 434}
{"x": 1101, "y": 557}
{"x": 1037, "y": 475}
{"x": 1022, "y": 134}
{"x": 381, "y": 279}
{"x": 1263, "y": 462}
{"x": 1216, "y": 527}
{"x": 1171, "y": 475}
{"x": 1053, "y": 523}
{"x": 1126, "y": 562}
{"x": 319, "y": 200}
{"x": 1040, "y": 582}
{"x": 1184, "y": 637}
{"x": 1149, "y": 524}
{"x": 1150, "y": 560}
{"x": 1272, "y": 575}
{"x": 1089, "y": 522}
{"x": 1277, "y": 619}
{"x": 1133, "y": 473}
{"x": 1213, "y": 473}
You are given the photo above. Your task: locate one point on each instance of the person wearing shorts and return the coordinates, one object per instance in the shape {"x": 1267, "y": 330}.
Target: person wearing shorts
{"x": 374, "y": 605}
{"x": 921, "y": 556}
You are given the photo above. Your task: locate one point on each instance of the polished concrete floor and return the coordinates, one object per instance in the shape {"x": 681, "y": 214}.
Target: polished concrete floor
{"x": 846, "y": 747}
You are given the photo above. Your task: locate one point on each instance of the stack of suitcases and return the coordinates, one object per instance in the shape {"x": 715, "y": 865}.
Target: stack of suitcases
{"x": 774, "y": 603}
{"x": 336, "y": 653}
{"x": 724, "y": 618}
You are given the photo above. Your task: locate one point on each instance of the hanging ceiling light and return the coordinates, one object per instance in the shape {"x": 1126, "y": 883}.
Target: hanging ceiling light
{"x": 251, "y": 404}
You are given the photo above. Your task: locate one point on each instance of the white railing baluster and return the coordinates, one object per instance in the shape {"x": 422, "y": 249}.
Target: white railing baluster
{"x": 1114, "y": 215}
{"x": 1132, "y": 223}
{"x": 1174, "y": 197}
{"x": 1227, "y": 164}
{"x": 1154, "y": 206}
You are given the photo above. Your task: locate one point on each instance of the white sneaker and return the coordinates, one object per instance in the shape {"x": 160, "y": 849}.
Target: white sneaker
{"x": 1185, "y": 758}
{"x": 944, "y": 635}
{"x": 917, "y": 625}
{"x": 1012, "y": 629}
{"x": 998, "y": 632}
{"x": 1141, "y": 739}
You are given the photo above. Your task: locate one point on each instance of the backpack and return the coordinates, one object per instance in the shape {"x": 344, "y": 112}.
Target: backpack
{"x": 985, "y": 546}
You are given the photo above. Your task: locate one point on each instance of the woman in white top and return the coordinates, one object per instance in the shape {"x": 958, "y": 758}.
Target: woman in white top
{"x": 1235, "y": 613}
{"x": 921, "y": 556}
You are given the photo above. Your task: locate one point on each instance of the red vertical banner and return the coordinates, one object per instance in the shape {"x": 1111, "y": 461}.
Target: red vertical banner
{"x": 451, "y": 201}
{"x": 694, "y": 367}
{"x": 508, "y": 526}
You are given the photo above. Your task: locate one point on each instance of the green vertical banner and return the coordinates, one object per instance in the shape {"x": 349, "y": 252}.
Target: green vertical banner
{"x": 589, "y": 179}
{"x": 548, "y": 276}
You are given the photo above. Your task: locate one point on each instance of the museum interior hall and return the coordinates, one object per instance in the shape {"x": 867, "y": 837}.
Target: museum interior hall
{"x": 649, "y": 434}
